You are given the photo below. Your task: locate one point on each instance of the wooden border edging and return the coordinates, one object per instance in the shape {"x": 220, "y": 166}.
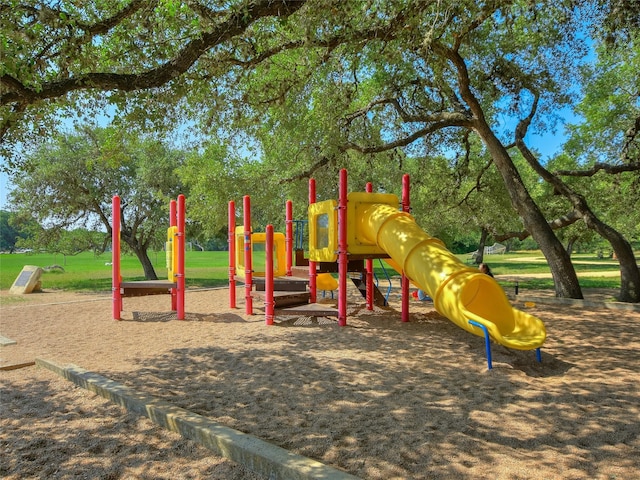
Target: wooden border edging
{"x": 17, "y": 366}
{"x": 261, "y": 457}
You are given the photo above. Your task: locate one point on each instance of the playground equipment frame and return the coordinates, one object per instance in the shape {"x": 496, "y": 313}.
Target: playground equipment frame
{"x": 175, "y": 286}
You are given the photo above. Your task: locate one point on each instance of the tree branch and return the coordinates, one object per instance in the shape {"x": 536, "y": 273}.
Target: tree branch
{"x": 630, "y": 140}
{"x": 156, "y": 77}
{"x": 482, "y": 16}
{"x": 606, "y": 167}
{"x": 103, "y": 26}
{"x": 308, "y": 173}
{"x": 406, "y": 116}
{"x": 520, "y": 133}
{"x": 387, "y": 31}
{"x": 556, "y": 224}
{"x": 464, "y": 82}
{"x": 478, "y": 185}
{"x": 408, "y": 140}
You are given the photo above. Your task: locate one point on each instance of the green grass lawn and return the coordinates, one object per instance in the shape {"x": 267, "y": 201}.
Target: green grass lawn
{"x": 588, "y": 266}
{"x": 88, "y": 272}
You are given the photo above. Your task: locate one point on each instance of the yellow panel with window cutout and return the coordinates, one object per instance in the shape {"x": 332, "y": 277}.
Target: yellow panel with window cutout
{"x": 323, "y": 231}
{"x": 240, "y": 250}
{"x": 257, "y": 246}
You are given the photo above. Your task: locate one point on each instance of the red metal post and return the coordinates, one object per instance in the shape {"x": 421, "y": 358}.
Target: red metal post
{"x": 288, "y": 235}
{"x": 232, "y": 254}
{"x": 369, "y": 267}
{"x": 342, "y": 249}
{"x": 181, "y": 254}
{"x": 312, "y": 265}
{"x": 115, "y": 258}
{"x": 248, "y": 267}
{"x": 406, "y": 207}
{"x": 268, "y": 276}
{"x": 173, "y": 222}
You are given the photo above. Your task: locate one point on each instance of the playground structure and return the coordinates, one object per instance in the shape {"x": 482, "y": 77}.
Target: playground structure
{"x": 175, "y": 258}
{"x": 285, "y": 288}
{"x": 366, "y": 225}
{"x": 285, "y": 285}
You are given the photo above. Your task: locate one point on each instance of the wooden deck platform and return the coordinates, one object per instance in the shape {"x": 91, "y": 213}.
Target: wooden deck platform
{"x": 291, "y": 296}
{"x": 309, "y": 310}
{"x": 287, "y": 284}
{"x": 285, "y": 299}
{"x": 146, "y": 287}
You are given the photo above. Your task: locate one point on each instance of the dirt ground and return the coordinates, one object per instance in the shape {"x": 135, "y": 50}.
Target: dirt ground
{"x": 380, "y": 398}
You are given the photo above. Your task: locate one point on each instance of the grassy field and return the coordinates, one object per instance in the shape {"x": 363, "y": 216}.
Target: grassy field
{"x": 87, "y": 272}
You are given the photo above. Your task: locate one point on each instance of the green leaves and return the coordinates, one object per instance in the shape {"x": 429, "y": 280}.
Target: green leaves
{"x": 73, "y": 178}
{"x": 122, "y": 46}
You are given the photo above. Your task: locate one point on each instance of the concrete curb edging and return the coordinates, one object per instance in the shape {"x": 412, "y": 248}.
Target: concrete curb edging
{"x": 261, "y": 457}
{"x": 4, "y": 341}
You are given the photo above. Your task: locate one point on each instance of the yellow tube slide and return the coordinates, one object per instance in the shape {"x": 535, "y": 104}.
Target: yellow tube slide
{"x": 459, "y": 292}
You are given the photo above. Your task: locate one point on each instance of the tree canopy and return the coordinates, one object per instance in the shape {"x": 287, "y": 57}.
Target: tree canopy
{"x": 59, "y": 58}
{"x": 11, "y": 231}
{"x": 317, "y": 85}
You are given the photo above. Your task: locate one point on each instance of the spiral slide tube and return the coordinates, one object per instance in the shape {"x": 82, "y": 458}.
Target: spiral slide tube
{"x": 459, "y": 292}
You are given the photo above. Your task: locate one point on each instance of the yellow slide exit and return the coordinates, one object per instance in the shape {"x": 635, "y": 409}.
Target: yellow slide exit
{"x": 459, "y": 292}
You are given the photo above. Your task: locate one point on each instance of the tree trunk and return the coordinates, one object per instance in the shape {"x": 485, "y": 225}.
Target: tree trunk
{"x": 141, "y": 252}
{"x": 483, "y": 240}
{"x": 629, "y": 272}
{"x": 564, "y": 275}
{"x": 147, "y": 266}
{"x": 570, "y": 245}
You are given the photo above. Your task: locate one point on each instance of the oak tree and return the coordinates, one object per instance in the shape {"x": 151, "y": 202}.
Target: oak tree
{"x": 71, "y": 179}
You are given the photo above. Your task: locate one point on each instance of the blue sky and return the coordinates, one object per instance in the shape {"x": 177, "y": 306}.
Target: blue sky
{"x": 4, "y": 182}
